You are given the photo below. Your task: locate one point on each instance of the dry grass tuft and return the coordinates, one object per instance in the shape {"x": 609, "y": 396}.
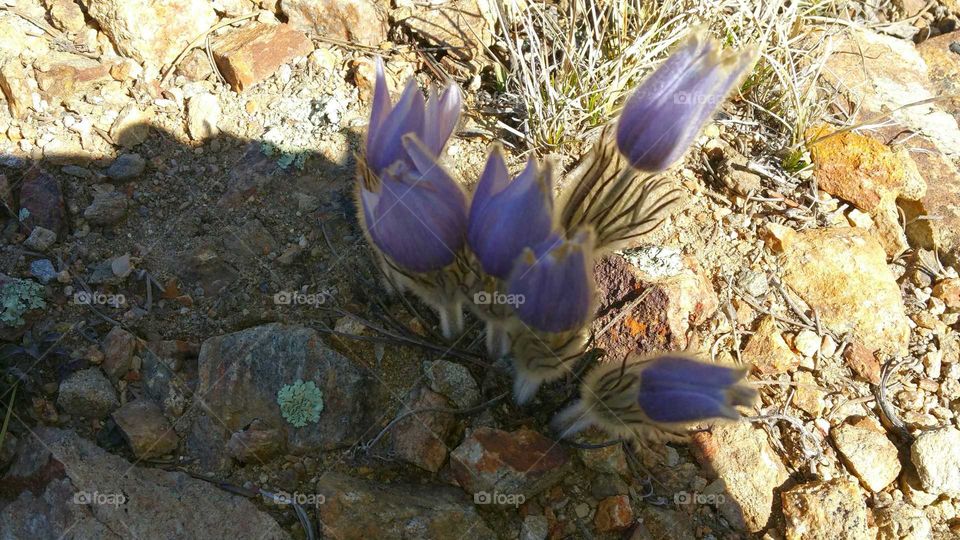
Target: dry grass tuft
{"x": 573, "y": 66}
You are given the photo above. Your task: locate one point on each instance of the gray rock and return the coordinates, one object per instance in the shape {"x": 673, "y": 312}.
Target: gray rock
{"x": 102, "y": 493}
{"x": 452, "y": 381}
{"x": 40, "y": 239}
{"x": 76, "y": 171}
{"x": 43, "y": 270}
{"x": 241, "y": 373}
{"x": 126, "y": 167}
{"x": 107, "y": 208}
{"x": 87, "y": 393}
{"x": 534, "y": 528}
{"x": 358, "y": 509}
{"x": 147, "y": 431}
{"x": 936, "y": 455}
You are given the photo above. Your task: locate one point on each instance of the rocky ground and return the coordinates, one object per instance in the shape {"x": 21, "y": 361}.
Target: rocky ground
{"x": 195, "y": 343}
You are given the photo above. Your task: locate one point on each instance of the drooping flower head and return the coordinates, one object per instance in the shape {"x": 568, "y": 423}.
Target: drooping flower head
{"x": 668, "y": 109}
{"x": 555, "y": 281}
{"x": 507, "y": 216}
{"x": 414, "y": 212}
{"x": 665, "y": 393}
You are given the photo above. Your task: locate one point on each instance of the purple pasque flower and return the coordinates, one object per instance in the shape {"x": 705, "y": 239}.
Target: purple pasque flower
{"x": 432, "y": 121}
{"x": 655, "y": 398}
{"x": 677, "y": 389}
{"x": 668, "y": 109}
{"x": 555, "y": 281}
{"x": 507, "y": 215}
{"x": 416, "y": 214}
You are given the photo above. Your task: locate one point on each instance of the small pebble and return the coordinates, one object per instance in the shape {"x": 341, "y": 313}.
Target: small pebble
{"x": 43, "y": 270}
{"x": 126, "y": 167}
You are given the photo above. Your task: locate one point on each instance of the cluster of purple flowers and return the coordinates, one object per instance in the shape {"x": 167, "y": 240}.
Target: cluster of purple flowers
{"x": 510, "y": 239}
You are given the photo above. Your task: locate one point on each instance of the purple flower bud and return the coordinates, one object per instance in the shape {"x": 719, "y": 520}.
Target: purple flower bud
{"x": 555, "y": 281}
{"x": 676, "y": 389}
{"x": 432, "y": 121}
{"x": 668, "y": 109}
{"x": 416, "y": 214}
{"x": 507, "y": 216}
{"x": 656, "y": 398}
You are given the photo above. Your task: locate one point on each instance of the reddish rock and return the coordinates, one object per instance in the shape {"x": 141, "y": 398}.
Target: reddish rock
{"x": 862, "y": 361}
{"x": 863, "y": 170}
{"x": 518, "y": 463}
{"x": 948, "y": 290}
{"x": 13, "y": 84}
{"x": 247, "y": 56}
{"x": 40, "y": 194}
{"x": 674, "y": 303}
{"x": 62, "y": 75}
{"x": 146, "y": 429}
{"x": 359, "y": 21}
{"x": 613, "y": 514}
{"x": 420, "y": 438}
{"x": 118, "y": 349}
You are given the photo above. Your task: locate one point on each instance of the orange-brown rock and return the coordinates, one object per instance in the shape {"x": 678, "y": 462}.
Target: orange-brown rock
{"x": 842, "y": 273}
{"x": 768, "y": 352}
{"x": 248, "y": 56}
{"x": 613, "y": 514}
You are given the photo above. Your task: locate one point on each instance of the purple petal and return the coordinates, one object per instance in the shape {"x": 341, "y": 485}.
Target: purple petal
{"x": 503, "y": 223}
{"x": 441, "y": 118}
{"x": 381, "y": 103}
{"x": 670, "y": 406}
{"x": 679, "y": 389}
{"x": 417, "y": 220}
{"x": 385, "y": 147}
{"x": 555, "y": 280}
{"x": 664, "y": 115}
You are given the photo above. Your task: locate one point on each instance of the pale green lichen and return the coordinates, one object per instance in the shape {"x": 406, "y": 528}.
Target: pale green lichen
{"x": 300, "y": 403}
{"x": 286, "y": 158}
{"x": 18, "y": 296}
